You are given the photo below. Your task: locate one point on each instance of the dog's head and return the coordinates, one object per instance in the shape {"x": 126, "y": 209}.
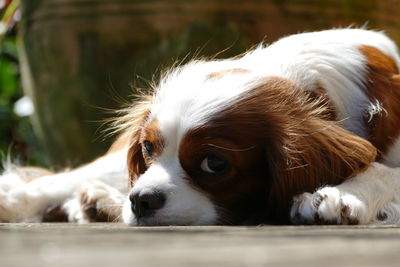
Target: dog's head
{"x": 219, "y": 145}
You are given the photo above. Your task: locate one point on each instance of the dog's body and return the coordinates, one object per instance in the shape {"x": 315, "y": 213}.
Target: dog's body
{"x": 233, "y": 141}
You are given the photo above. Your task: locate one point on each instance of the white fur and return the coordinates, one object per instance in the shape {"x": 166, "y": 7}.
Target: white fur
{"x": 27, "y": 202}
{"x": 184, "y": 205}
{"x": 392, "y": 157}
{"x": 187, "y": 97}
{"x": 363, "y": 199}
{"x": 103, "y": 198}
{"x": 329, "y": 59}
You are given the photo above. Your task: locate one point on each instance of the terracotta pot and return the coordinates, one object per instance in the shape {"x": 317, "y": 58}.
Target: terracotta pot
{"x": 79, "y": 56}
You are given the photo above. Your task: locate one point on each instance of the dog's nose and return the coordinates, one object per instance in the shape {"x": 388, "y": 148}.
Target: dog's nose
{"x": 144, "y": 203}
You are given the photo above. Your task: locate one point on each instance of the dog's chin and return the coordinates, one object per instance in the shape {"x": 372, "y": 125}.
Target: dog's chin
{"x": 165, "y": 218}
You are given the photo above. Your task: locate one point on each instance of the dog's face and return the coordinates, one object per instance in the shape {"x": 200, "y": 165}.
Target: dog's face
{"x": 229, "y": 147}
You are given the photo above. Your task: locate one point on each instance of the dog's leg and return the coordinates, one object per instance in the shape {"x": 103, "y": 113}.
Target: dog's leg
{"x": 95, "y": 201}
{"x": 370, "y": 197}
{"x": 22, "y": 201}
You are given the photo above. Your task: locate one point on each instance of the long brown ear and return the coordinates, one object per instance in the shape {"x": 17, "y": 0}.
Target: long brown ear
{"x": 131, "y": 124}
{"x": 305, "y": 147}
{"x": 135, "y": 161}
{"x": 316, "y": 152}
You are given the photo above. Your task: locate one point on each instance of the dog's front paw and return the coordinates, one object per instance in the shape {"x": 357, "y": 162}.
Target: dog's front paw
{"x": 327, "y": 206}
{"x": 94, "y": 201}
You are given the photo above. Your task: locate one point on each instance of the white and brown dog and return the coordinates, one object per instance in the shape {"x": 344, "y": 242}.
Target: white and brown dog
{"x": 240, "y": 141}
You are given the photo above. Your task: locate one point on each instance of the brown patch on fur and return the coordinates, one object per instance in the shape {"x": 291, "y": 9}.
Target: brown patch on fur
{"x": 320, "y": 95}
{"x": 151, "y": 133}
{"x": 100, "y": 209}
{"x": 133, "y": 123}
{"x": 383, "y": 86}
{"x": 241, "y": 186}
{"x": 280, "y": 142}
{"x": 220, "y": 74}
{"x": 55, "y": 214}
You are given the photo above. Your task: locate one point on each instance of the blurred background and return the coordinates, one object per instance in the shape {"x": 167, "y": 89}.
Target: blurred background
{"x": 64, "y": 64}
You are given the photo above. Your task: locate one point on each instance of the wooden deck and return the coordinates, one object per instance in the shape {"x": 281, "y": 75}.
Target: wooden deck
{"x": 98, "y": 245}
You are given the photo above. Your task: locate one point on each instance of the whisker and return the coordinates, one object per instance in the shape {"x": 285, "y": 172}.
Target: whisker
{"x": 231, "y": 149}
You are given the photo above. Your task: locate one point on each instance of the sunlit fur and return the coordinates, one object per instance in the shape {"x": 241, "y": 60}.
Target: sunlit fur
{"x": 282, "y": 97}
{"x": 308, "y": 111}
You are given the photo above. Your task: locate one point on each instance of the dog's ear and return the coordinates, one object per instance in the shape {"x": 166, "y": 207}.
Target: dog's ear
{"x": 132, "y": 124}
{"x": 316, "y": 152}
{"x": 135, "y": 161}
{"x": 306, "y": 147}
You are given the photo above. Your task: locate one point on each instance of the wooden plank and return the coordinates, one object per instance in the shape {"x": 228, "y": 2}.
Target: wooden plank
{"x": 118, "y": 245}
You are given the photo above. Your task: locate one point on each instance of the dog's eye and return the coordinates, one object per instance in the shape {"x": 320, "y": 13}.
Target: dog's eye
{"x": 213, "y": 165}
{"x": 148, "y": 147}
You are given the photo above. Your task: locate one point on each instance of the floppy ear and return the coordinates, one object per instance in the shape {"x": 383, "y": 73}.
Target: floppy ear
{"x": 305, "y": 147}
{"x": 131, "y": 124}
{"x": 315, "y": 152}
{"x": 135, "y": 161}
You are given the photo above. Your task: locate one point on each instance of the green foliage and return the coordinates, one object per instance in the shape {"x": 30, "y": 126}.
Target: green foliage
{"x": 9, "y": 92}
{"x": 16, "y": 134}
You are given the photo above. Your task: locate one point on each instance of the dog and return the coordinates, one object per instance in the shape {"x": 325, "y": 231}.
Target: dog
{"x": 303, "y": 131}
